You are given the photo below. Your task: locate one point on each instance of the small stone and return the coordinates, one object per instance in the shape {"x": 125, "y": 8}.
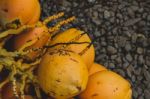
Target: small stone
{"x": 135, "y": 94}
{"x": 106, "y": 14}
{"x": 140, "y": 50}
{"x": 128, "y": 47}
{"x": 137, "y": 72}
{"x": 140, "y": 59}
{"x": 139, "y": 78}
{"x": 139, "y": 90}
{"x": 148, "y": 17}
{"x": 113, "y": 57}
{"x": 131, "y": 21}
{"x": 141, "y": 97}
{"x": 118, "y": 60}
{"x": 111, "y": 50}
{"x": 148, "y": 61}
{"x": 133, "y": 78}
{"x": 100, "y": 57}
{"x": 66, "y": 3}
{"x": 91, "y": 1}
{"x": 122, "y": 41}
{"x": 129, "y": 73}
{"x": 129, "y": 57}
{"x": 103, "y": 43}
{"x": 147, "y": 75}
{"x": 134, "y": 37}
{"x": 97, "y": 33}
{"x": 111, "y": 65}
{"x": 146, "y": 94}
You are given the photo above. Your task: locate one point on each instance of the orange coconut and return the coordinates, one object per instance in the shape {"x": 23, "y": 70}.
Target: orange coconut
{"x": 38, "y": 35}
{"x": 27, "y": 11}
{"x": 62, "y": 75}
{"x": 107, "y": 85}
{"x": 72, "y": 33}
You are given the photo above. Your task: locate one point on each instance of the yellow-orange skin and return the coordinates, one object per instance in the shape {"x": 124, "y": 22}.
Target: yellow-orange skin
{"x": 62, "y": 76}
{"x": 68, "y": 35}
{"x": 39, "y": 34}
{"x": 27, "y": 11}
{"x": 96, "y": 68}
{"x": 107, "y": 85}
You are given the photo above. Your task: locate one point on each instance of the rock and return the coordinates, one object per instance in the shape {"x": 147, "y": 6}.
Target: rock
{"x": 148, "y": 61}
{"x": 133, "y": 78}
{"x": 111, "y": 50}
{"x": 140, "y": 59}
{"x": 135, "y": 94}
{"x": 128, "y": 47}
{"x": 111, "y": 65}
{"x": 118, "y": 60}
{"x": 147, "y": 75}
{"x": 146, "y": 94}
{"x": 148, "y": 17}
{"x": 132, "y": 21}
{"x": 141, "y": 97}
{"x": 139, "y": 90}
{"x": 91, "y": 1}
{"x": 122, "y": 41}
{"x": 129, "y": 57}
{"x": 140, "y": 50}
{"x": 113, "y": 57}
{"x": 106, "y": 14}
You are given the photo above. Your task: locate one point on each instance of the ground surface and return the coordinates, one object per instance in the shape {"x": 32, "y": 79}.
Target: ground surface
{"x": 121, "y": 31}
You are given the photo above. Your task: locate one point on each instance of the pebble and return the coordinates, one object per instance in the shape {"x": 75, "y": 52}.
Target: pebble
{"x": 118, "y": 60}
{"x": 111, "y": 50}
{"x": 146, "y": 94}
{"x": 131, "y": 21}
{"x": 129, "y": 57}
{"x": 140, "y": 50}
{"x": 106, "y": 14}
{"x": 128, "y": 47}
{"x": 148, "y": 61}
{"x": 111, "y": 65}
{"x": 91, "y": 1}
{"x": 147, "y": 75}
{"x": 139, "y": 90}
{"x": 135, "y": 94}
{"x": 148, "y": 17}
{"x": 140, "y": 59}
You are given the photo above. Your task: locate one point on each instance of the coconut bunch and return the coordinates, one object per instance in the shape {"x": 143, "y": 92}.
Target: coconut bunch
{"x": 40, "y": 62}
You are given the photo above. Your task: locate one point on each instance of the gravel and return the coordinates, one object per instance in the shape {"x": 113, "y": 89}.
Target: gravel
{"x": 120, "y": 30}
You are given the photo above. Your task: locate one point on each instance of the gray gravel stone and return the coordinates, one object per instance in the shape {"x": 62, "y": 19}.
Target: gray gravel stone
{"x": 140, "y": 50}
{"x": 129, "y": 57}
{"x": 118, "y": 60}
{"x": 106, "y": 14}
{"x": 111, "y": 50}
{"x": 146, "y": 94}
{"x": 148, "y": 17}
{"x": 141, "y": 59}
{"x": 111, "y": 65}
{"x": 128, "y": 47}
{"x": 132, "y": 22}
{"x": 135, "y": 94}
